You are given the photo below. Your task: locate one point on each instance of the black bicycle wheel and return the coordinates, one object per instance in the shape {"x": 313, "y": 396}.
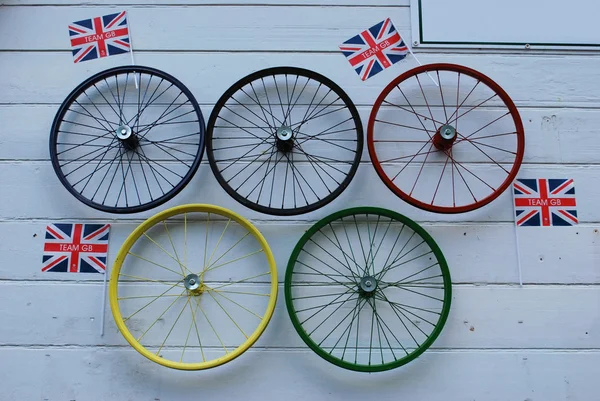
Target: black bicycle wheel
{"x": 284, "y": 141}
{"x": 127, "y": 139}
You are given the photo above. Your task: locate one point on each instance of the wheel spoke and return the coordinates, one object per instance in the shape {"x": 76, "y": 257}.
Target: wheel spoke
{"x": 192, "y": 324}
{"x": 106, "y": 174}
{"x": 176, "y": 259}
{"x": 442, "y": 95}
{"x": 380, "y": 320}
{"x": 380, "y": 330}
{"x": 325, "y": 319}
{"x": 98, "y": 168}
{"x": 154, "y": 263}
{"x": 472, "y": 173}
{"x": 216, "y": 247}
{"x": 404, "y": 324}
{"x": 262, "y": 108}
{"x": 241, "y": 281}
{"x": 227, "y": 313}
{"x": 415, "y": 113}
{"x": 233, "y": 260}
{"x": 402, "y": 126}
{"x": 181, "y": 265}
{"x": 474, "y": 143}
{"x": 336, "y": 259}
{"x": 172, "y": 327}
{"x": 421, "y": 169}
{"x": 402, "y": 281}
{"x": 426, "y": 102}
{"x": 154, "y": 298}
{"x": 152, "y": 280}
{"x": 350, "y": 284}
{"x": 100, "y": 120}
{"x": 411, "y": 159}
{"x": 227, "y": 251}
{"x": 455, "y": 114}
{"x": 159, "y": 317}
{"x": 387, "y": 269}
{"x": 338, "y": 245}
{"x": 324, "y": 306}
{"x": 236, "y": 303}
{"x": 439, "y": 181}
{"x": 212, "y": 327}
{"x": 355, "y": 314}
{"x": 241, "y": 292}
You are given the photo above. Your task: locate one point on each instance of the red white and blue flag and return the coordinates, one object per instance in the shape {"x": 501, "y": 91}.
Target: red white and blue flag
{"x": 99, "y": 37}
{"x": 374, "y": 49}
{"x": 545, "y": 202}
{"x": 75, "y": 248}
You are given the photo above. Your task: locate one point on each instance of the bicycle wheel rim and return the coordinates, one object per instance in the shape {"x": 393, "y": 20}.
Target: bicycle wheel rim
{"x": 294, "y": 314}
{"x": 271, "y": 287}
{"x": 298, "y": 195}
{"x": 153, "y": 170}
{"x": 504, "y": 163}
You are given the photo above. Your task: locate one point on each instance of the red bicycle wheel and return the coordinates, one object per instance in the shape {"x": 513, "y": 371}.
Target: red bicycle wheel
{"x": 445, "y": 138}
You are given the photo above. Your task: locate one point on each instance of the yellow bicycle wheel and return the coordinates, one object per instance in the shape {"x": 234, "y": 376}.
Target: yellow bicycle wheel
{"x": 193, "y": 287}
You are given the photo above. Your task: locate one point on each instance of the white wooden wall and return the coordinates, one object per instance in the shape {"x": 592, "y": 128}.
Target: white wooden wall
{"x": 501, "y": 342}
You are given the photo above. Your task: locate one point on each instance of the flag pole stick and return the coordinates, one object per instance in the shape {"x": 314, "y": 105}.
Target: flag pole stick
{"x": 517, "y": 238}
{"x": 103, "y": 309}
{"x": 131, "y": 51}
{"x": 417, "y": 60}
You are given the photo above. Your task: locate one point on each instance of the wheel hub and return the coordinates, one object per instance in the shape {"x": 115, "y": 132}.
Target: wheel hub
{"x": 125, "y": 134}
{"x": 193, "y": 285}
{"x": 444, "y": 137}
{"x": 284, "y": 138}
{"x": 368, "y": 285}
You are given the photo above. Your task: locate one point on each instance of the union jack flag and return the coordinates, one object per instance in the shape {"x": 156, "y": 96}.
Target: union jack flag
{"x": 374, "y": 49}
{"x": 75, "y": 248}
{"x": 99, "y": 37}
{"x": 545, "y": 202}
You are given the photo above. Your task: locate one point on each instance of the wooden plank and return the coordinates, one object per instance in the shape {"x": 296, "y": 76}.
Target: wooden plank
{"x": 435, "y": 376}
{"x": 204, "y": 189}
{"x": 480, "y": 317}
{"x": 351, "y": 3}
{"x": 562, "y": 255}
{"x": 207, "y": 28}
{"x": 48, "y": 77}
{"x": 549, "y": 133}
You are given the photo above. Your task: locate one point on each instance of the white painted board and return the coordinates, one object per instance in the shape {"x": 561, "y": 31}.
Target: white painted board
{"x": 109, "y": 373}
{"x": 531, "y": 24}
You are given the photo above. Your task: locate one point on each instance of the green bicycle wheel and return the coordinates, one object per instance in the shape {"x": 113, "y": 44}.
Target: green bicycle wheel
{"x": 368, "y": 289}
